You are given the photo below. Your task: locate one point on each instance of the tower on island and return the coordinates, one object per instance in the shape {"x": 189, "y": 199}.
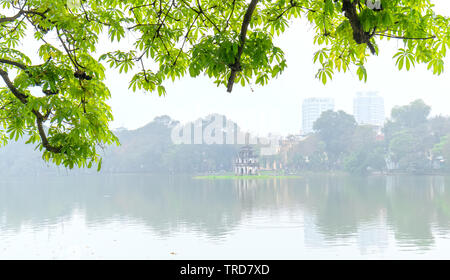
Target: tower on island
{"x": 246, "y": 162}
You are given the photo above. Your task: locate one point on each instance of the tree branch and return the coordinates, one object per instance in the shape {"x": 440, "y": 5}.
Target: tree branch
{"x": 206, "y": 16}
{"x": 22, "y": 97}
{"x": 39, "y": 122}
{"x": 40, "y": 119}
{"x": 20, "y": 13}
{"x": 13, "y": 18}
{"x": 405, "y": 38}
{"x": 13, "y": 63}
{"x": 237, "y": 67}
{"x": 231, "y": 14}
{"x": 185, "y": 39}
{"x": 359, "y": 35}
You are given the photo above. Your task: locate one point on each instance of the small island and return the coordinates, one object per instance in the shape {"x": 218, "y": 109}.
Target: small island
{"x": 246, "y": 167}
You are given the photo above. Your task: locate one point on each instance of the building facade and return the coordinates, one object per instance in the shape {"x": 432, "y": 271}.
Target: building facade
{"x": 246, "y": 162}
{"x": 312, "y": 108}
{"x": 368, "y": 109}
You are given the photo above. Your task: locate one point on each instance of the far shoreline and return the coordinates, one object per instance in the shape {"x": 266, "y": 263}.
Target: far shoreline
{"x": 246, "y": 177}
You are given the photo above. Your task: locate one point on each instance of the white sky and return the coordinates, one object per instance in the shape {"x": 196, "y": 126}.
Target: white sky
{"x": 277, "y": 107}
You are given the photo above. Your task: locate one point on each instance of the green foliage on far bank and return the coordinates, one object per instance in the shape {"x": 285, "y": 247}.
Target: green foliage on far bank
{"x": 409, "y": 142}
{"x": 145, "y": 150}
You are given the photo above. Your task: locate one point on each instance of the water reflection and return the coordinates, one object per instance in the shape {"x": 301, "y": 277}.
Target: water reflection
{"x": 329, "y": 210}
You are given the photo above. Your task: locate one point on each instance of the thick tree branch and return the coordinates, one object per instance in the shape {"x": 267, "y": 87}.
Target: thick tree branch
{"x": 39, "y": 122}
{"x": 21, "y": 13}
{"x": 40, "y": 119}
{"x": 359, "y": 35}
{"x": 13, "y": 63}
{"x": 22, "y": 97}
{"x": 237, "y": 67}
{"x": 24, "y": 67}
{"x": 10, "y": 19}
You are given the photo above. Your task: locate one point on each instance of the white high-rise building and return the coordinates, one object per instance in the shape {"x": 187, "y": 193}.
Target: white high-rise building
{"x": 368, "y": 108}
{"x": 312, "y": 108}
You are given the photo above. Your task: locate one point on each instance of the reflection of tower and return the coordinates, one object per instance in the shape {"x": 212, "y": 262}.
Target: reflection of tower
{"x": 390, "y": 184}
{"x": 246, "y": 188}
{"x": 438, "y": 184}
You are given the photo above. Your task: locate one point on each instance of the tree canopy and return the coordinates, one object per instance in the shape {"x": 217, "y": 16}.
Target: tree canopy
{"x": 58, "y": 100}
{"x": 336, "y": 130}
{"x": 412, "y": 115}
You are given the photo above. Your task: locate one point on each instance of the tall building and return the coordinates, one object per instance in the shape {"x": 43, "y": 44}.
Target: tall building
{"x": 368, "y": 108}
{"x": 312, "y": 108}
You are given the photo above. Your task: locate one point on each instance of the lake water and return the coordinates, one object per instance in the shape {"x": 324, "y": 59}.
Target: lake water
{"x": 158, "y": 217}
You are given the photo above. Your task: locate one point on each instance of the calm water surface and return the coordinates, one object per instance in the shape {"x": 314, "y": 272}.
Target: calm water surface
{"x": 158, "y": 217}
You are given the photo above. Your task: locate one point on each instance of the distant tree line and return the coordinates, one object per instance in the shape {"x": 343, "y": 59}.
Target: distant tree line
{"x": 148, "y": 149}
{"x": 409, "y": 142}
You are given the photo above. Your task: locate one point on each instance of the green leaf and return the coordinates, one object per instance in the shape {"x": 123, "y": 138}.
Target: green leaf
{"x": 99, "y": 166}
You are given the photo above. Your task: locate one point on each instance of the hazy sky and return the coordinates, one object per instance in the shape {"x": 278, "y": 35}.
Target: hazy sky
{"x": 277, "y": 106}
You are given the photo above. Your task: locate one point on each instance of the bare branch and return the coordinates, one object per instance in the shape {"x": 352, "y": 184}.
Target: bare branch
{"x": 405, "y": 38}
